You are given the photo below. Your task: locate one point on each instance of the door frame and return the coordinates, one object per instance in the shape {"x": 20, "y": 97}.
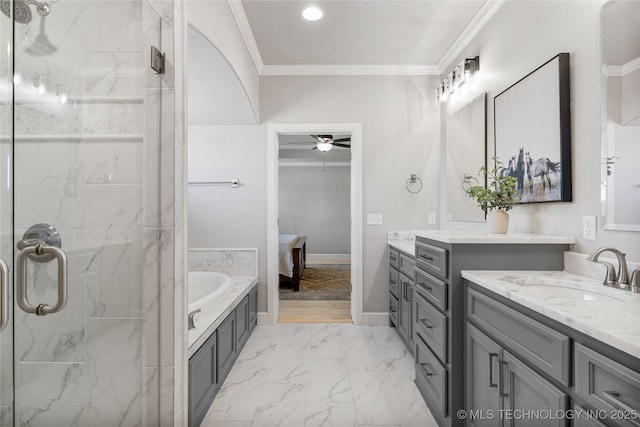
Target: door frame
{"x": 273, "y": 130}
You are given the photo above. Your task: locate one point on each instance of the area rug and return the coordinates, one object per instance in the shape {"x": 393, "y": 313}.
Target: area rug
{"x": 321, "y": 282}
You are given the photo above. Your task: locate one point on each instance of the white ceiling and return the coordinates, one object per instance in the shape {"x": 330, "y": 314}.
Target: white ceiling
{"x": 361, "y": 33}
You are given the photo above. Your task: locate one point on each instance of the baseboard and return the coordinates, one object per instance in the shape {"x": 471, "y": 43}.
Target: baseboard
{"x": 375, "y": 319}
{"x": 328, "y": 258}
{"x": 263, "y": 319}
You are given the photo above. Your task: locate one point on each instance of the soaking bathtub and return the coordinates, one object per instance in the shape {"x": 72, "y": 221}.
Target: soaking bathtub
{"x": 215, "y": 295}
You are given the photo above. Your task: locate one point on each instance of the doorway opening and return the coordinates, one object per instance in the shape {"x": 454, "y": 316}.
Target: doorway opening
{"x": 314, "y": 224}
{"x": 315, "y": 227}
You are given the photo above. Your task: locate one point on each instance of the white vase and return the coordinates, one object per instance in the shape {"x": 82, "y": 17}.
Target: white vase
{"x": 497, "y": 221}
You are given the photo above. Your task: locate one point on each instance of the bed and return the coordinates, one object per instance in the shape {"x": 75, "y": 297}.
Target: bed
{"x": 293, "y": 256}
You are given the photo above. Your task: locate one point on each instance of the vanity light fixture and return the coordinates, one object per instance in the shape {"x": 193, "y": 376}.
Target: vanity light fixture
{"x": 312, "y": 13}
{"x": 324, "y": 146}
{"x": 461, "y": 74}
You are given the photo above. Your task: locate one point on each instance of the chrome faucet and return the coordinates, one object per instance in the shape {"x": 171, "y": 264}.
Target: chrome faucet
{"x": 622, "y": 280}
{"x": 635, "y": 282}
{"x": 192, "y": 325}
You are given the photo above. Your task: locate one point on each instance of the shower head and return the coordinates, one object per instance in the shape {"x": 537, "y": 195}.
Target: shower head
{"x": 22, "y": 11}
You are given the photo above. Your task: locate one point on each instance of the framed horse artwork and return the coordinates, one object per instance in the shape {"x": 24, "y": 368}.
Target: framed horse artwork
{"x": 533, "y": 132}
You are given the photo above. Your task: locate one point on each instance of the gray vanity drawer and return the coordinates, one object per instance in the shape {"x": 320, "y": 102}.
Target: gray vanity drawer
{"x": 432, "y": 259}
{"x": 394, "y": 258}
{"x": 393, "y": 281}
{"x": 607, "y": 384}
{"x": 431, "y": 378}
{"x": 393, "y": 309}
{"x": 432, "y": 289}
{"x": 406, "y": 264}
{"x": 582, "y": 418}
{"x": 431, "y": 325}
{"x": 538, "y": 344}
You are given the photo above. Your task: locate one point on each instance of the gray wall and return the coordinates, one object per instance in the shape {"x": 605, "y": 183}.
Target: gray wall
{"x": 220, "y": 216}
{"x": 520, "y": 37}
{"x": 400, "y": 136}
{"x": 314, "y": 201}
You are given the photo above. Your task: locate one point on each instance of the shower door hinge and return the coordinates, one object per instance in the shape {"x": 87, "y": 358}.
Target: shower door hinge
{"x": 157, "y": 60}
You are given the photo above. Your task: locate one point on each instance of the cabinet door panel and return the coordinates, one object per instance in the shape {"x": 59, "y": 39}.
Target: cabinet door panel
{"x": 404, "y": 319}
{"x": 226, "y": 346}
{"x": 203, "y": 382}
{"x": 482, "y": 380}
{"x": 253, "y": 308}
{"x": 526, "y": 392}
{"x": 242, "y": 323}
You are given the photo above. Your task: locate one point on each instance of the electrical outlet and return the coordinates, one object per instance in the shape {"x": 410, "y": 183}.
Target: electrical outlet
{"x": 589, "y": 227}
{"x": 374, "y": 219}
{"x": 432, "y": 218}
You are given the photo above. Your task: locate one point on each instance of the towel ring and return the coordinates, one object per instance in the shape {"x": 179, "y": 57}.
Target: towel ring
{"x": 412, "y": 180}
{"x": 467, "y": 180}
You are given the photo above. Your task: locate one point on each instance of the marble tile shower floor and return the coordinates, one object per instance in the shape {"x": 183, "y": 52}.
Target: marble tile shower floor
{"x": 321, "y": 374}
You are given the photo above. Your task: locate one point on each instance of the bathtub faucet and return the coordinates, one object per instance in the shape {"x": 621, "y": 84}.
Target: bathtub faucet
{"x": 192, "y": 325}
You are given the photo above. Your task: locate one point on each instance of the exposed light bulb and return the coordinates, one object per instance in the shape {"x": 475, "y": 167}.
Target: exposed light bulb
{"x": 17, "y": 78}
{"x": 312, "y": 13}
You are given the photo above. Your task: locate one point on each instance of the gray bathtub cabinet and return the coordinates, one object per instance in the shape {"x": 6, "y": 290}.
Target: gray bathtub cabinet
{"x": 210, "y": 365}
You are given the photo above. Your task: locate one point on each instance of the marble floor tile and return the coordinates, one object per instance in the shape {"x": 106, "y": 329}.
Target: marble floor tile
{"x": 329, "y": 381}
{"x": 323, "y": 414}
{"x": 321, "y": 375}
{"x": 281, "y": 405}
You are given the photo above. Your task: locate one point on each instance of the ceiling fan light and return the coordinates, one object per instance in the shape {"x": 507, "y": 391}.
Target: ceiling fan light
{"x": 312, "y": 13}
{"x": 324, "y": 146}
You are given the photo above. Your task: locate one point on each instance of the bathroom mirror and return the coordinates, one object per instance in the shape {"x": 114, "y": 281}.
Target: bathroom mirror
{"x": 466, "y": 144}
{"x": 620, "y": 183}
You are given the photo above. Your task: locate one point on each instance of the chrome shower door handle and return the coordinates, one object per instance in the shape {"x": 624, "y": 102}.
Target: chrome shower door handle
{"x": 4, "y": 294}
{"x": 23, "y": 257}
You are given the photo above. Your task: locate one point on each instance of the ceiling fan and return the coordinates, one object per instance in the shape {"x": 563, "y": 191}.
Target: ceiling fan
{"x": 325, "y": 143}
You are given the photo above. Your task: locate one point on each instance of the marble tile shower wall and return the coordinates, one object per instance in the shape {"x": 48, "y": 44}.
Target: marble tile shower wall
{"x": 102, "y": 170}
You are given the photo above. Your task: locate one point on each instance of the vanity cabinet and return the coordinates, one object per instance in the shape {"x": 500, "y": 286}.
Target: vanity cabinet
{"x": 440, "y": 318}
{"x": 210, "y": 365}
{"x": 517, "y": 359}
{"x": 401, "y": 295}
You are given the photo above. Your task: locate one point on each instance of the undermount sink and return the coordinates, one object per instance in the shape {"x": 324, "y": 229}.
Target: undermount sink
{"x": 571, "y": 289}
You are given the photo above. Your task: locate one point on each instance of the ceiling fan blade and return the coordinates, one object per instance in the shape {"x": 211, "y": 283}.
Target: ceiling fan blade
{"x": 318, "y": 138}
{"x": 315, "y": 147}
{"x": 337, "y": 144}
{"x": 298, "y": 143}
{"x": 342, "y": 139}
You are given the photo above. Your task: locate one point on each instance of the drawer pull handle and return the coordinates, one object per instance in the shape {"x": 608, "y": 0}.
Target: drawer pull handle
{"x": 424, "y": 369}
{"x": 491, "y": 356}
{"x": 428, "y": 258}
{"x": 393, "y": 282}
{"x": 426, "y": 325}
{"x": 393, "y": 258}
{"x": 611, "y": 397}
{"x": 424, "y": 285}
{"x": 501, "y": 392}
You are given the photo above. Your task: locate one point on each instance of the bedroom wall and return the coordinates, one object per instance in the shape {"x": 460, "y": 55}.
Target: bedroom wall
{"x": 519, "y": 38}
{"x": 220, "y": 216}
{"x": 400, "y": 136}
{"x": 314, "y": 201}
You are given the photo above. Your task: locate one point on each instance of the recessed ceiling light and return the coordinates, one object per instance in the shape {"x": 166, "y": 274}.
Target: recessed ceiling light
{"x": 312, "y": 13}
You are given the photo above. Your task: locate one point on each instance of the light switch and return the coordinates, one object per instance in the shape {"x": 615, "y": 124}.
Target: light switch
{"x": 374, "y": 219}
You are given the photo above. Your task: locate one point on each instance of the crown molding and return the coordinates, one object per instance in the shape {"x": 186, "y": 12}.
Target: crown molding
{"x": 483, "y": 16}
{"x": 477, "y": 23}
{"x": 240, "y": 16}
{"x": 350, "y": 70}
{"x": 621, "y": 70}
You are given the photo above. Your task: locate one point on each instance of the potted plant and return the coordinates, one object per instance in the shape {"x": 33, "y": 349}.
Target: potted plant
{"x": 497, "y": 198}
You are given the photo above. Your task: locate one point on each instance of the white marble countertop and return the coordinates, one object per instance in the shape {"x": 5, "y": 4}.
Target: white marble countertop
{"x": 586, "y": 305}
{"x": 480, "y": 237}
{"x": 214, "y": 314}
{"x": 403, "y": 241}
{"x": 406, "y": 246}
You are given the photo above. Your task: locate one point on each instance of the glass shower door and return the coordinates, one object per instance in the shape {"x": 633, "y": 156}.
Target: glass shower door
{"x": 78, "y": 213}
